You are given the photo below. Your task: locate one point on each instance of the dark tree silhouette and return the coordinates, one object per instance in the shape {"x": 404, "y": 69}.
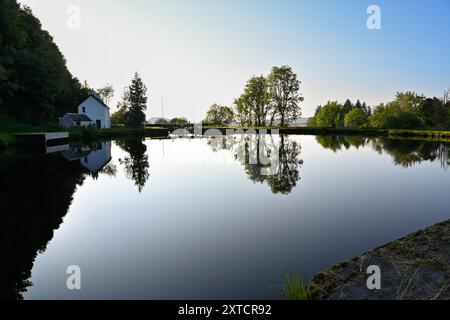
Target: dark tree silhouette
{"x": 136, "y": 164}
{"x": 249, "y": 151}
{"x": 33, "y": 203}
{"x": 286, "y": 177}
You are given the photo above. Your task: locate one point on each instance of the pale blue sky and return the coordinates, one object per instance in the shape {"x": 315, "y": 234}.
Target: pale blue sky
{"x": 192, "y": 53}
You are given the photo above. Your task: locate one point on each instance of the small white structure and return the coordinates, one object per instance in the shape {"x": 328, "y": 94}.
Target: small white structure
{"x": 91, "y": 112}
{"x": 72, "y": 120}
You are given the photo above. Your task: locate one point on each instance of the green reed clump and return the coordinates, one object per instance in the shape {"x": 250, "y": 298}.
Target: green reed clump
{"x": 294, "y": 289}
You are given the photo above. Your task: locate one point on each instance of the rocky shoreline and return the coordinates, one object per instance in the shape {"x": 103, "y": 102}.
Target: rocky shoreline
{"x": 416, "y": 267}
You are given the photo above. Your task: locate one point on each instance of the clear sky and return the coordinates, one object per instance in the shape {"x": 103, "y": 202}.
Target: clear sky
{"x": 192, "y": 53}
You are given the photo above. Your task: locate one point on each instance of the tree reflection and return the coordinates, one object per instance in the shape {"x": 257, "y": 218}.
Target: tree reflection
{"x": 35, "y": 195}
{"x": 336, "y": 143}
{"x": 286, "y": 177}
{"x": 266, "y": 159}
{"x": 136, "y": 164}
{"x": 405, "y": 152}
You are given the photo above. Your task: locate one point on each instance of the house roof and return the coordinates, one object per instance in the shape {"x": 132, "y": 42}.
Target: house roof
{"x": 79, "y": 117}
{"x": 93, "y": 95}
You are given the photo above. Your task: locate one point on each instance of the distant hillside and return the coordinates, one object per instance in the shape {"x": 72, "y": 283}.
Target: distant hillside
{"x": 35, "y": 84}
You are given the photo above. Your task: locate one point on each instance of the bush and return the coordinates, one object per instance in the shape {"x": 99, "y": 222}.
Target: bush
{"x": 403, "y": 121}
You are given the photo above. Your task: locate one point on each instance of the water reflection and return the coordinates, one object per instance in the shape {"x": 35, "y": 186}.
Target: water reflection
{"x": 94, "y": 157}
{"x": 33, "y": 202}
{"x": 273, "y": 160}
{"x": 37, "y": 190}
{"x": 136, "y": 163}
{"x": 38, "y": 195}
{"x": 404, "y": 152}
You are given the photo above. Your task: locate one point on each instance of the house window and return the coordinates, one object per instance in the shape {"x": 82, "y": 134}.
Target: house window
{"x": 84, "y": 109}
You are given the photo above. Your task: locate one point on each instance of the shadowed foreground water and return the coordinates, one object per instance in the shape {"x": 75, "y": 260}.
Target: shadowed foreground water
{"x": 196, "y": 219}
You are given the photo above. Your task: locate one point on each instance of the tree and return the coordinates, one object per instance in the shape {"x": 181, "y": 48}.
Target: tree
{"x": 119, "y": 117}
{"x": 284, "y": 90}
{"x": 356, "y": 118}
{"x": 179, "y": 122}
{"x": 330, "y": 115}
{"x": 243, "y": 113}
{"x": 404, "y": 120}
{"x": 380, "y": 113}
{"x": 408, "y": 102}
{"x": 35, "y": 84}
{"x": 161, "y": 121}
{"x": 106, "y": 93}
{"x": 219, "y": 115}
{"x": 255, "y": 101}
{"x": 136, "y": 102}
{"x": 123, "y": 107}
{"x": 347, "y": 107}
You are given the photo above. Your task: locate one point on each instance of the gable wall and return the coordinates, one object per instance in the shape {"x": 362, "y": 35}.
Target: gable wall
{"x": 96, "y": 111}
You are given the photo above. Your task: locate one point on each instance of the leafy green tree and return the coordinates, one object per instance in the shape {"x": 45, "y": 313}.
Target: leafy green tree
{"x": 404, "y": 120}
{"x": 255, "y": 101}
{"x": 243, "y": 113}
{"x": 162, "y": 121}
{"x": 356, "y": 118}
{"x": 347, "y": 106}
{"x": 179, "y": 122}
{"x": 219, "y": 115}
{"x": 312, "y": 122}
{"x": 330, "y": 115}
{"x": 35, "y": 84}
{"x": 119, "y": 116}
{"x": 379, "y": 115}
{"x": 408, "y": 102}
{"x": 136, "y": 102}
{"x": 284, "y": 88}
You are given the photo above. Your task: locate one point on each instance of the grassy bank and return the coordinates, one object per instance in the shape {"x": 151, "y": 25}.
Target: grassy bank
{"x": 6, "y": 140}
{"x": 9, "y": 127}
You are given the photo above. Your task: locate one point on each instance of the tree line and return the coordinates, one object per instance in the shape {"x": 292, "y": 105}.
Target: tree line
{"x": 408, "y": 110}
{"x": 35, "y": 84}
{"x": 267, "y": 100}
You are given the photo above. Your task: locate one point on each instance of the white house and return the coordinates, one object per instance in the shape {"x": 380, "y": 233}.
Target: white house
{"x": 91, "y": 112}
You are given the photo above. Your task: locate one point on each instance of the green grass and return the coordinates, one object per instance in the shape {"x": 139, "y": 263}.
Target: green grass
{"x": 89, "y": 134}
{"x": 421, "y": 133}
{"x": 6, "y": 140}
{"x": 10, "y": 125}
{"x": 294, "y": 289}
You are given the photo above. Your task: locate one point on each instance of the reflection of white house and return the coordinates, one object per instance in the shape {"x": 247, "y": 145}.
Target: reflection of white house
{"x": 91, "y": 112}
{"x": 97, "y": 159}
{"x": 92, "y": 159}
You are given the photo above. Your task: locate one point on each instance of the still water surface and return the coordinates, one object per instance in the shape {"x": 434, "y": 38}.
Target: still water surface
{"x": 196, "y": 219}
